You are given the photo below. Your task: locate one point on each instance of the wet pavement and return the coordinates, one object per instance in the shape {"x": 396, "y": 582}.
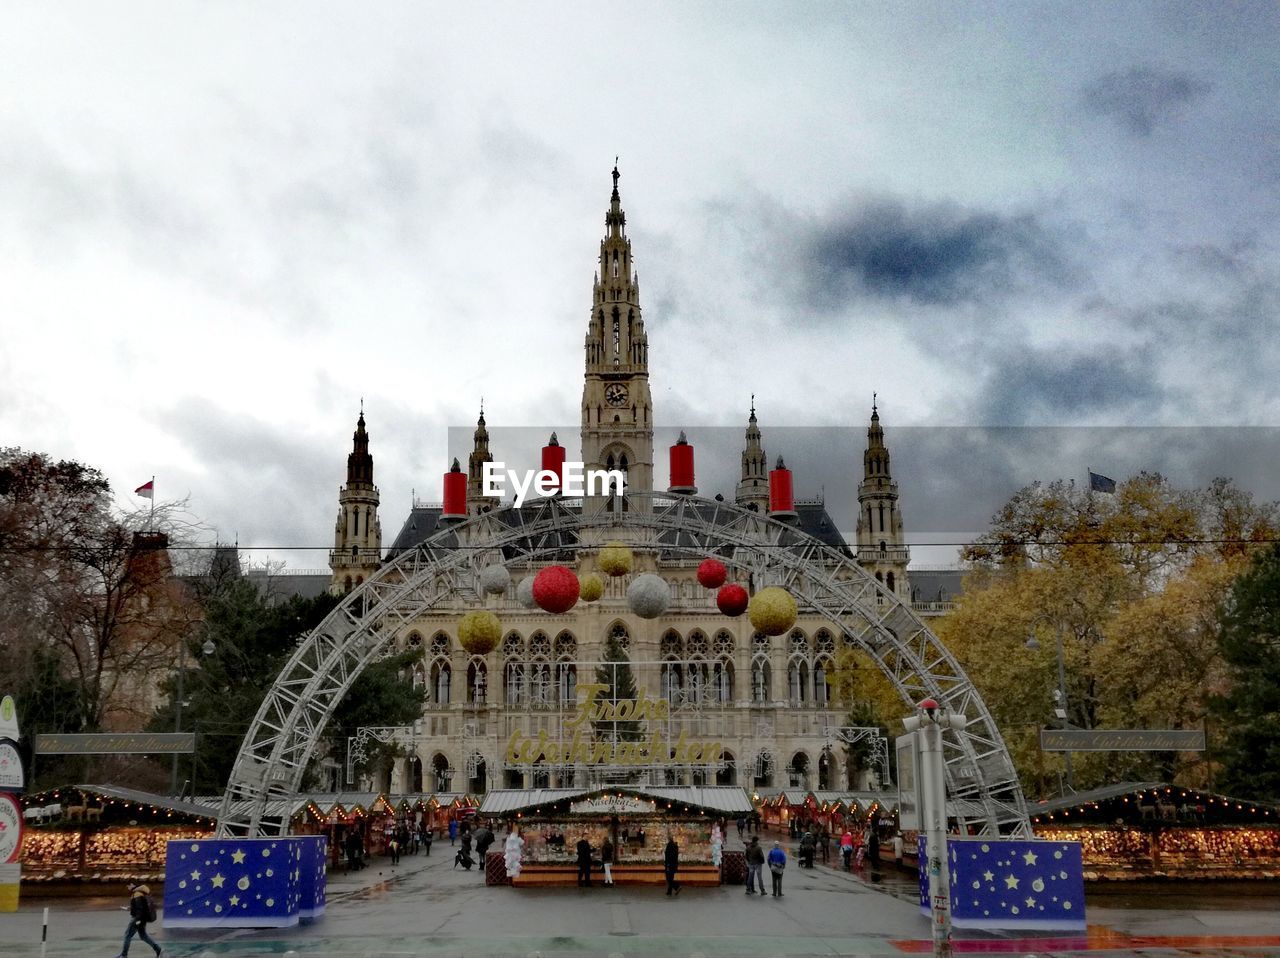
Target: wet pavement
{"x": 425, "y": 907}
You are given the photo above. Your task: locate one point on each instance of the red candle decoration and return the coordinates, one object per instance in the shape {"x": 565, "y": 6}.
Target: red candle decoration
{"x": 732, "y": 599}
{"x": 682, "y": 467}
{"x": 556, "y": 589}
{"x": 455, "y": 493}
{"x": 712, "y": 573}
{"x": 553, "y": 460}
{"x": 782, "y": 500}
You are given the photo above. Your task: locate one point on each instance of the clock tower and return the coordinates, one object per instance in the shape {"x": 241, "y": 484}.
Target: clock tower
{"x": 617, "y": 410}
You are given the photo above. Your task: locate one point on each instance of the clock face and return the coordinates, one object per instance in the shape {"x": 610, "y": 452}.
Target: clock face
{"x": 615, "y": 394}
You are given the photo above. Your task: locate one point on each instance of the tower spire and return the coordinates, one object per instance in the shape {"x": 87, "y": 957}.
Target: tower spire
{"x": 357, "y": 542}
{"x": 480, "y": 454}
{"x": 882, "y": 546}
{"x": 753, "y": 486}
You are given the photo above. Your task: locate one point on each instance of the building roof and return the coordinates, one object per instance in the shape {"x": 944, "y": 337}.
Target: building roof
{"x": 726, "y": 799}
{"x": 936, "y": 585}
{"x": 103, "y": 793}
{"x": 421, "y": 523}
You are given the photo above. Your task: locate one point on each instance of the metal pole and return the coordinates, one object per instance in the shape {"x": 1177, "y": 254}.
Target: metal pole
{"x": 1062, "y": 692}
{"x": 177, "y": 718}
{"x": 934, "y": 793}
{"x": 44, "y": 934}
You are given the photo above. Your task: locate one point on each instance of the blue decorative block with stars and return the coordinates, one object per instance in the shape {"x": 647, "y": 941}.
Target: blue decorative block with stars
{"x": 314, "y": 858}
{"x": 1011, "y": 883}
{"x": 233, "y": 883}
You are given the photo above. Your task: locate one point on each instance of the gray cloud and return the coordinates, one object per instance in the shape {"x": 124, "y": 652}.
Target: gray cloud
{"x": 1142, "y": 97}
{"x": 934, "y": 255}
{"x": 1028, "y": 385}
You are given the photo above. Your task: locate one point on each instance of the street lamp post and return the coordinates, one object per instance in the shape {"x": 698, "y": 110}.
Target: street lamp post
{"x": 928, "y": 726}
{"x": 1060, "y": 694}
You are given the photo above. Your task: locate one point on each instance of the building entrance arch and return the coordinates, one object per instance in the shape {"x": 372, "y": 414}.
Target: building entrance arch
{"x": 444, "y": 570}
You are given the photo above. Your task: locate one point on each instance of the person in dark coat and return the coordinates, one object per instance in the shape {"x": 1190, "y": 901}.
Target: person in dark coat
{"x": 671, "y": 864}
{"x": 606, "y": 860}
{"x": 484, "y": 838}
{"x": 141, "y": 912}
{"x": 584, "y": 863}
{"x": 755, "y": 865}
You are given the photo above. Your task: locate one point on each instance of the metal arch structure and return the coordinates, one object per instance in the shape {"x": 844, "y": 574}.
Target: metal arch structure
{"x": 443, "y": 572}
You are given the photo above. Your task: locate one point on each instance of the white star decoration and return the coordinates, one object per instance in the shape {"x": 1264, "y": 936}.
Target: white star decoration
{"x": 1029, "y": 858}
{"x": 988, "y": 876}
{"x": 237, "y": 856}
{"x": 195, "y": 876}
{"x": 217, "y": 881}
{"x": 1031, "y": 902}
{"x": 1010, "y": 881}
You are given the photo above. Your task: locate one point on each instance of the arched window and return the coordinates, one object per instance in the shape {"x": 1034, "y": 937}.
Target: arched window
{"x": 821, "y": 692}
{"x": 415, "y": 774}
{"x": 798, "y": 770}
{"x": 671, "y": 678}
{"x": 441, "y": 677}
{"x": 477, "y": 681}
{"x": 728, "y": 772}
{"x": 761, "y": 679}
{"x": 697, "y": 643}
{"x": 566, "y": 646}
{"x": 618, "y": 631}
{"x": 439, "y": 644}
{"x": 567, "y": 683}
{"x": 540, "y": 685}
{"x": 823, "y": 641}
{"x": 888, "y": 581}
{"x": 798, "y": 681}
{"x": 723, "y": 644}
{"x": 442, "y": 772}
{"x": 722, "y": 682}
{"x": 514, "y": 688}
{"x": 764, "y": 770}
{"x": 883, "y": 549}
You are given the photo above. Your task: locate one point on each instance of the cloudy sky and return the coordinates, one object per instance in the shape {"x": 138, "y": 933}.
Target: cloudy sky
{"x": 221, "y": 225}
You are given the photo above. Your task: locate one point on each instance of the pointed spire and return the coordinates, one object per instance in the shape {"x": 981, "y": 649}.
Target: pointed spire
{"x": 781, "y": 464}
{"x": 683, "y": 440}
{"x": 616, "y": 175}
{"x": 359, "y": 462}
{"x": 457, "y": 466}
{"x": 753, "y": 408}
{"x": 553, "y": 440}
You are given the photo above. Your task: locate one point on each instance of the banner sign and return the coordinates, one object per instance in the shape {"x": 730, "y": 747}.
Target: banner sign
{"x": 909, "y": 803}
{"x": 612, "y": 805}
{"x": 1122, "y": 740}
{"x": 583, "y": 749}
{"x": 11, "y": 777}
{"x": 10, "y": 829}
{"x": 8, "y": 718}
{"x": 111, "y": 743}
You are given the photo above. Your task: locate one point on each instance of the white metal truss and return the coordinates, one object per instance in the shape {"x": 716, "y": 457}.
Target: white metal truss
{"x": 443, "y": 570}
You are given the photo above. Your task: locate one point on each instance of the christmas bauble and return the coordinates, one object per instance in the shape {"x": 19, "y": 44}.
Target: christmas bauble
{"x": 556, "y": 589}
{"x": 772, "y": 610}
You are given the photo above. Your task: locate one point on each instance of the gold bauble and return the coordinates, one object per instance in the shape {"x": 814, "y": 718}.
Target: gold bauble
{"x": 479, "y": 632}
{"x": 592, "y": 587}
{"x": 772, "y": 610}
{"x": 615, "y": 559}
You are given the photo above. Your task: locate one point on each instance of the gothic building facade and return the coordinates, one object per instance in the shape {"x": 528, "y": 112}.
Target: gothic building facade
{"x": 765, "y": 700}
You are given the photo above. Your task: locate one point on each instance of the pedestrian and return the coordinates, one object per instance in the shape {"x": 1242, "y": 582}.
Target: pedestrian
{"x": 355, "y": 851}
{"x": 897, "y": 847}
{"x": 777, "y": 865}
{"x": 513, "y": 852}
{"x": 484, "y": 838}
{"x": 453, "y": 831}
{"x": 755, "y": 866}
{"x": 824, "y": 842}
{"x": 584, "y": 862}
{"x": 466, "y": 844}
{"x": 806, "y": 850}
{"x": 428, "y": 836}
{"x": 742, "y": 824}
{"x": 394, "y": 847}
{"x": 640, "y": 836}
{"x": 846, "y": 849}
{"x": 873, "y": 846}
{"x": 606, "y": 860}
{"x": 142, "y": 911}
{"x": 670, "y": 865}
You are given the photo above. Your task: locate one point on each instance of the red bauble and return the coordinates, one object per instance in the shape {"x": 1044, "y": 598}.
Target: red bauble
{"x": 556, "y": 589}
{"x": 712, "y": 573}
{"x": 732, "y": 599}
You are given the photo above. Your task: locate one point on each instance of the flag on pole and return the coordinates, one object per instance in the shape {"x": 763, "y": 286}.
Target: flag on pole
{"x": 1099, "y": 483}
{"x": 147, "y": 490}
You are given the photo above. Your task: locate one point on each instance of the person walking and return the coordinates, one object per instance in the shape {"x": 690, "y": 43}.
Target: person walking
{"x": 777, "y": 865}
{"x": 671, "y": 864}
{"x": 742, "y": 824}
{"x": 142, "y": 911}
{"x": 606, "y": 859}
{"x": 453, "y": 831}
{"x": 824, "y": 842}
{"x": 755, "y": 866}
{"x": 846, "y": 849}
{"x": 873, "y": 846}
{"x": 428, "y": 836}
{"x": 584, "y": 863}
{"x": 484, "y": 838}
{"x": 394, "y": 847}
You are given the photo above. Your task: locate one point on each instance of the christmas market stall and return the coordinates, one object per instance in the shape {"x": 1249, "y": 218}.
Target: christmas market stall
{"x": 1143, "y": 830}
{"x": 637, "y": 819}
{"x": 83, "y": 836}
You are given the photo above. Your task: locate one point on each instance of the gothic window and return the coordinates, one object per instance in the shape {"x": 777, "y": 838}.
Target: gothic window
{"x": 513, "y": 679}
{"x": 443, "y": 773}
{"x": 439, "y": 644}
{"x": 540, "y": 683}
{"x": 540, "y": 644}
{"x": 883, "y": 550}
{"x": 727, "y": 773}
{"x": 879, "y": 576}
{"x": 697, "y": 644}
{"x": 760, "y": 642}
{"x": 798, "y": 772}
{"x": 823, "y": 640}
{"x": 355, "y": 551}
{"x": 441, "y": 677}
{"x": 513, "y": 645}
{"x": 821, "y": 692}
{"x": 870, "y": 524}
{"x": 888, "y": 580}
{"x": 477, "y": 681}
{"x": 761, "y": 679}
{"x": 764, "y": 770}
{"x": 418, "y": 677}
{"x": 671, "y": 677}
{"x": 882, "y": 517}
{"x": 567, "y": 683}
{"x": 615, "y": 263}
{"x": 696, "y": 681}
{"x": 566, "y": 646}
{"x": 723, "y": 644}
{"x": 799, "y": 641}
{"x": 671, "y": 646}
{"x": 623, "y": 637}
{"x": 722, "y": 682}
{"x": 797, "y": 681}
{"x": 346, "y": 584}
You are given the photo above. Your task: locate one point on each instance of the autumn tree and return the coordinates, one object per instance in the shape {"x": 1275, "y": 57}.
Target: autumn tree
{"x": 1248, "y": 709}
{"x": 859, "y": 685}
{"x": 1128, "y": 584}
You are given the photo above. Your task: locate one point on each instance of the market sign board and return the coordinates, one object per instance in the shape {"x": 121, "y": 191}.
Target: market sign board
{"x": 909, "y": 782}
{"x": 111, "y": 743}
{"x": 612, "y": 805}
{"x": 11, "y": 778}
{"x": 1122, "y": 740}
{"x": 650, "y": 748}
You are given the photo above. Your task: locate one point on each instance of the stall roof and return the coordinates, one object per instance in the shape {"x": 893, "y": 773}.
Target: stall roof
{"x": 729, "y": 799}
{"x": 117, "y": 794}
